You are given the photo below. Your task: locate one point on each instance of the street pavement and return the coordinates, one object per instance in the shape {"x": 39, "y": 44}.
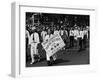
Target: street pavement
{"x": 69, "y": 56}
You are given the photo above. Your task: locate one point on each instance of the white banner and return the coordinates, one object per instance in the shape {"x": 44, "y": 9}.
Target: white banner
{"x": 54, "y": 44}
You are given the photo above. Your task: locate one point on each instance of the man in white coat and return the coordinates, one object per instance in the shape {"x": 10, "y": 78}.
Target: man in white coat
{"x": 80, "y": 37}
{"x": 43, "y": 34}
{"x": 71, "y": 37}
{"x": 34, "y": 43}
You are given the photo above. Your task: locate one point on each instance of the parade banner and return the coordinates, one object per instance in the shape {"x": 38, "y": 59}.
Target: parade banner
{"x": 54, "y": 44}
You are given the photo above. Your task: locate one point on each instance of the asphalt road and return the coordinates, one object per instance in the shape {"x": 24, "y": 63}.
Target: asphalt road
{"x": 70, "y": 56}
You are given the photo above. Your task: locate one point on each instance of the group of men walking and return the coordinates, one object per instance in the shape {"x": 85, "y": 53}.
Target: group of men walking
{"x": 35, "y": 38}
{"x": 80, "y": 35}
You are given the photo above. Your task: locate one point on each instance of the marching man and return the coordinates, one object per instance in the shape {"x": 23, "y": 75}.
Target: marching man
{"x": 34, "y": 44}
{"x": 27, "y": 38}
{"x": 80, "y": 37}
{"x": 71, "y": 38}
{"x": 43, "y": 34}
{"x": 65, "y": 36}
{"x": 48, "y": 58}
{"x": 46, "y": 39}
{"x": 85, "y": 37}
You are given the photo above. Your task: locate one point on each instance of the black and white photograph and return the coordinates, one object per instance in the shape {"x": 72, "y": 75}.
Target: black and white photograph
{"x": 56, "y": 39}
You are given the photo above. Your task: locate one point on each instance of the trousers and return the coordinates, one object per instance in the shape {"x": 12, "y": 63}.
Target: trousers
{"x": 34, "y": 51}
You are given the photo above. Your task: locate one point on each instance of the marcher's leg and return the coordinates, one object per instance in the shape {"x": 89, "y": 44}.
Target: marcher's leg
{"x": 35, "y": 48}
{"x": 36, "y": 52}
{"x": 84, "y": 41}
{"x": 32, "y": 54}
{"x": 80, "y": 46}
{"x": 48, "y": 59}
{"x": 70, "y": 41}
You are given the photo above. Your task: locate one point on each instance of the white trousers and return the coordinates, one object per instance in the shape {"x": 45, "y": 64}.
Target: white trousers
{"x": 33, "y": 50}
{"x": 48, "y": 57}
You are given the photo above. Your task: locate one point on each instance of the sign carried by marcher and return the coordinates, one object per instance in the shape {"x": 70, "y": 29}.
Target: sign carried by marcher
{"x": 54, "y": 44}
